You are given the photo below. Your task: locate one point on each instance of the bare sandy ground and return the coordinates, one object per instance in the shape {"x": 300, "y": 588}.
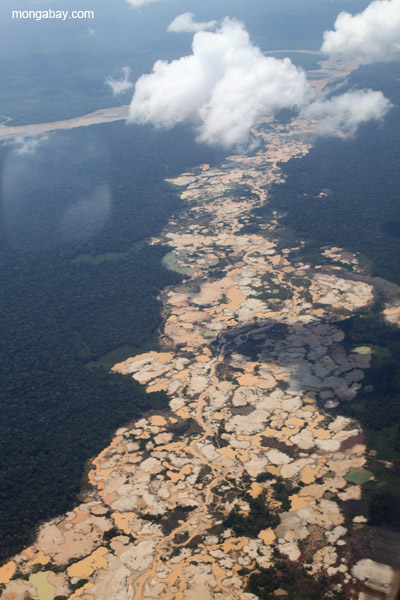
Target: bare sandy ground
{"x": 105, "y": 115}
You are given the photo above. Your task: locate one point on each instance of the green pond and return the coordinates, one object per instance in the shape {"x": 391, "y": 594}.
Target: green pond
{"x": 358, "y": 476}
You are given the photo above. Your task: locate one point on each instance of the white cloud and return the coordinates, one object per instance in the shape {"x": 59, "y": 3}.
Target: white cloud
{"x": 224, "y": 87}
{"x": 186, "y": 23}
{"x": 370, "y": 36}
{"x": 140, "y": 2}
{"x": 227, "y": 85}
{"x": 89, "y": 33}
{"x": 344, "y": 113}
{"x": 119, "y": 86}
